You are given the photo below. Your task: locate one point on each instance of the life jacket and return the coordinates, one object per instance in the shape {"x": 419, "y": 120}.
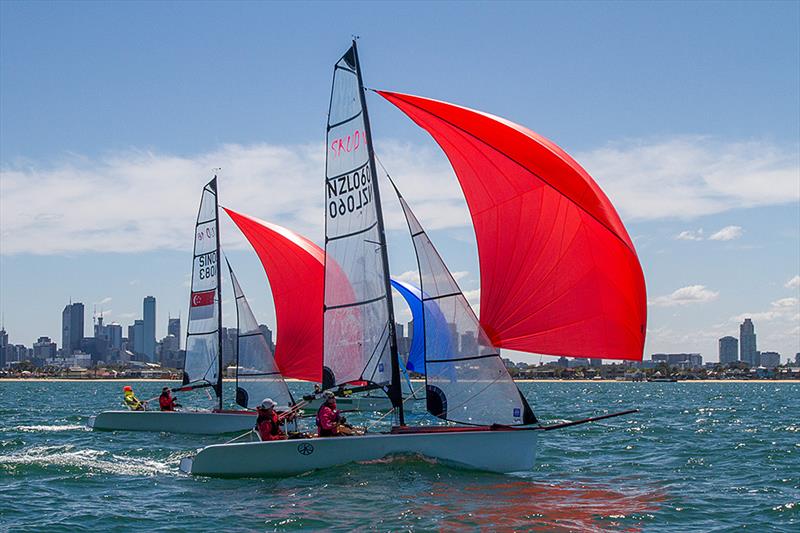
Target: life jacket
{"x": 166, "y": 403}
{"x": 273, "y": 431}
{"x": 133, "y": 402}
{"x": 327, "y": 432}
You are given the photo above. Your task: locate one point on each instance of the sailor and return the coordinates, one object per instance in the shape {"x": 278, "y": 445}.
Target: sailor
{"x": 166, "y": 402}
{"x": 328, "y": 417}
{"x": 132, "y": 401}
{"x": 268, "y": 425}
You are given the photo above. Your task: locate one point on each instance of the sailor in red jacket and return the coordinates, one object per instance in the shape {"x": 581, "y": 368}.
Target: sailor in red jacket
{"x": 166, "y": 402}
{"x": 268, "y": 425}
{"x": 328, "y": 417}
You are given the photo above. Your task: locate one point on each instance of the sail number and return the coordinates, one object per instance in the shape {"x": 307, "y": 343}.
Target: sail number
{"x": 207, "y": 265}
{"x": 207, "y": 233}
{"x": 350, "y": 192}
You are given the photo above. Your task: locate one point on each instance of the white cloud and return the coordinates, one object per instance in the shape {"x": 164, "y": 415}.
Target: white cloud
{"x": 784, "y": 309}
{"x": 685, "y": 295}
{"x": 143, "y": 200}
{"x": 410, "y": 276}
{"x": 690, "y": 235}
{"x": 793, "y": 283}
{"x": 105, "y": 300}
{"x": 728, "y": 233}
{"x": 691, "y": 176}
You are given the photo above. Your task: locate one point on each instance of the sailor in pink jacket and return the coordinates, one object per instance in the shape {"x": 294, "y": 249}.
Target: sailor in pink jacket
{"x": 328, "y": 417}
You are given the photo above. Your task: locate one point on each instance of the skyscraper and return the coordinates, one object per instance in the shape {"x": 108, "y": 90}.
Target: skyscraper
{"x": 747, "y": 343}
{"x": 174, "y": 328}
{"x": 138, "y": 337}
{"x": 4, "y": 348}
{"x": 149, "y": 328}
{"x": 71, "y": 328}
{"x": 728, "y": 350}
{"x": 114, "y": 335}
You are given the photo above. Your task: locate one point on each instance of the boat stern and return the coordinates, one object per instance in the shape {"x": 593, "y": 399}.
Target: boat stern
{"x": 186, "y": 465}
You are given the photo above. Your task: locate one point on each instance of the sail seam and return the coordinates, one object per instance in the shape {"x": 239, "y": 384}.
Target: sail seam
{"x": 348, "y": 172}
{"x": 462, "y": 358}
{"x": 203, "y": 333}
{"x": 459, "y": 293}
{"x": 329, "y": 239}
{"x": 345, "y": 121}
{"x": 354, "y": 304}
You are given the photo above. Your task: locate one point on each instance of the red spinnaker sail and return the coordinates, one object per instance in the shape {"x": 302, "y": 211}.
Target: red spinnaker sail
{"x": 559, "y": 273}
{"x": 295, "y": 268}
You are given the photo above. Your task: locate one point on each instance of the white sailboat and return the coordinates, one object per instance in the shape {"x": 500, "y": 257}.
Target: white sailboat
{"x": 557, "y": 223}
{"x": 203, "y": 363}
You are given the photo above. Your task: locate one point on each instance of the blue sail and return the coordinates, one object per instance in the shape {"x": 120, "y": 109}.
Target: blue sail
{"x": 438, "y": 330}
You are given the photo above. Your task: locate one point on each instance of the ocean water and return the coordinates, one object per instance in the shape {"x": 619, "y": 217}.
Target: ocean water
{"x": 699, "y": 457}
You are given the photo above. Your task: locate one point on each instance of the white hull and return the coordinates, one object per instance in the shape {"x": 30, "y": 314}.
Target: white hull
{"x": 355, "y": 403}
{"x": 197, "y": 422}
{"x": 495, "y": 451}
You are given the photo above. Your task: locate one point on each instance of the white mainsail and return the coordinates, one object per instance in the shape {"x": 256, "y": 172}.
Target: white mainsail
{"x": 203, "y": 364}
{"x": 359, "y": 340}
{"x": 257, "y": 374}
{"x": 466, "y": 380}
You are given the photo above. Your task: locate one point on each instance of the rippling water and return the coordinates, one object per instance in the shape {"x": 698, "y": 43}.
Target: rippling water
{"x": 699, "y": 457}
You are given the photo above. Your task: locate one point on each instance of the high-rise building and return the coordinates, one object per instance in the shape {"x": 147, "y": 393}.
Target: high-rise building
{"x": 797, "y": 358}
{"x": 596, "y": 363}
{"x": 114, "y": 331}
{"x": 469, "y": 344}
{"x": 44, "y": 348}
{"x": 149, "y": 328}
{"x": 728, "y": 350}
{"x": 267, "y": 333}
{"x": 138, "y": 337}
{"x": 747, "y": 343}
{"x": 174, "y": 328}
{"x": 4, "y": 351}
{"x": 770, "y": 359}
{"x": 71, "y": 328}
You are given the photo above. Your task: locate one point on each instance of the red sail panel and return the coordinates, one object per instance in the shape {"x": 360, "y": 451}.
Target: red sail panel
{"x": 559, "y": 273}
{"x": 295, "y": 268}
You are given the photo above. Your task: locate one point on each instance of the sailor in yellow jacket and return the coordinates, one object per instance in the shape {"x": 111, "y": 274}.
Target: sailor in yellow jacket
{"x": 132, "y": 401}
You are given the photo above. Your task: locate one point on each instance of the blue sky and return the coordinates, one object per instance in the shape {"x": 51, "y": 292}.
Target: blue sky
{"x": 112, "y": 116}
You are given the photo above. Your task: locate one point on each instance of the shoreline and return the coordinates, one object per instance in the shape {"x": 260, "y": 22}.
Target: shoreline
{"x": 230, "y": 380}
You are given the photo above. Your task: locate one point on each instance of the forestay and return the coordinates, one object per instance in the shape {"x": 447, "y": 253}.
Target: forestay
{"x": 202, "y": 365}
{"x": 257, "y": 375}
{"x": 357, "y": 324}
{"x": 466, "y": 380}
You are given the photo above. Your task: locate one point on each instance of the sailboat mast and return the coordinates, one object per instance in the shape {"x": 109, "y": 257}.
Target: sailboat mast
{"x": 219, "y": 296}
{"x": 395, "y": 388}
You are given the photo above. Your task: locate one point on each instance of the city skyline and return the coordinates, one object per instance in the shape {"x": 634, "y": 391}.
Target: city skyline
{"x": 700, "y": 161}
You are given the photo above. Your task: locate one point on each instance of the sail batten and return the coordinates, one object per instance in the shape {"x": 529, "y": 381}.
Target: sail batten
{"x": 559, "y": 272}
{"x": 202, "y": 363}
{"x": 358, "y": 325}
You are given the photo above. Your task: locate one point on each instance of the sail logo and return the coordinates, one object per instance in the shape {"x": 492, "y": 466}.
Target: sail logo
{"x": 347, "y": 143}
{"x": 201, "y": 305}
{"x": 305, "y": 448}
{"x": 349, "y": 192}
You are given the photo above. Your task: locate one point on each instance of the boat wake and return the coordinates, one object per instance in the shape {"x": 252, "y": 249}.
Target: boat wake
{"x": 70, "y": 459}
{"x": 36, "y": 429}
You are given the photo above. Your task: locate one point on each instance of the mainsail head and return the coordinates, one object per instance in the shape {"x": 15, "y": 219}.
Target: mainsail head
{"x": 257, "y": 374}
{"x": 559, "y": 273}
{"x": 202, "y": 365}
{"x": 294, "y": 267}
{"x": 358, "y": 321}
{"x": 466, "y": 381}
